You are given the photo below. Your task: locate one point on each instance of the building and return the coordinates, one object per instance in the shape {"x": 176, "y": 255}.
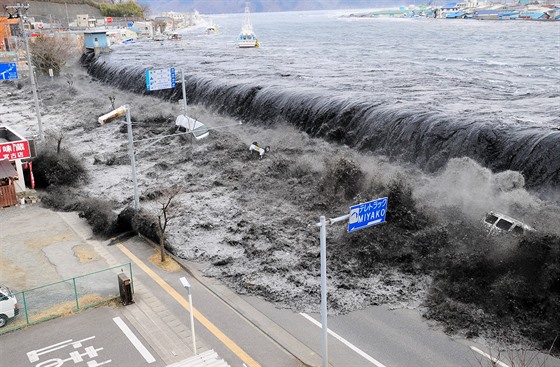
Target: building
{"x": 96, "y": 41}
{"x": 14, "y": 149}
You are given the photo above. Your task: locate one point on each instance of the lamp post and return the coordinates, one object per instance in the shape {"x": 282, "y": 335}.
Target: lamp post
{"x": 18, "y": 7}
{"x": 132, "y": 159}
{"x": 187, "y": 286}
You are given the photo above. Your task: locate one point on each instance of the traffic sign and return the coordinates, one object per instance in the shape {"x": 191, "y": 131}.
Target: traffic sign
{"x": 8, "y": 71}
{"x": 108, "y": 20}
{"x": 160, "y": 79}
{"x": 367, "y": 214}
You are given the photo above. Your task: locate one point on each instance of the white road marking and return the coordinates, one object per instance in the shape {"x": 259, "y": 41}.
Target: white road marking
{"x": 346, "y": 342}
{"x": 495, "y": 361}
{"x": 34, "y": 354}
{"x": 134, "y": 340}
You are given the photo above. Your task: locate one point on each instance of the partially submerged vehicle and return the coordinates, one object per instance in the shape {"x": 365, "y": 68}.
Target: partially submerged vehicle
{"x": 501, "y": 223}
{"x": 9, "y": 307}
{"x": 256, "y": 150}
{"x": 195, "y": 127}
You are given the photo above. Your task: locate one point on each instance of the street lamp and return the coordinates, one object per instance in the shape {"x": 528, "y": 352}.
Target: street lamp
{"x": 187, "y": 286}
{"x": 19, "y": 14}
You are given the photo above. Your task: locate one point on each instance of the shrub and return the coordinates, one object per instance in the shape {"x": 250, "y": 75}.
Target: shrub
{"x": 51, "y": 52}
{"x": 99, "y": 215}
{"x": 60, "y": 198}
{"x": 63, "y": 169}
{"x": 139, "y": 221}
{"x": 127, "y": 9}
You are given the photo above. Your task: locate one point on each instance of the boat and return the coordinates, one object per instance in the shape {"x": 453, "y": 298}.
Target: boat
{"x": 212, "y": 28}
{"x": 176, "y": 37}
{"x": 247, "y": 37}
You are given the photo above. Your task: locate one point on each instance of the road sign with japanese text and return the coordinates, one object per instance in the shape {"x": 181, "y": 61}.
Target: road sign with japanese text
{"x": 8, "y": 71}
{"x": 367, "y": 214}
{"x": 160, "y": 79}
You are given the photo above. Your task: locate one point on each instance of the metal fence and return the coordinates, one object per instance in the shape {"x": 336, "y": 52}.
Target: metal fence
{"x": 67, "y": 296}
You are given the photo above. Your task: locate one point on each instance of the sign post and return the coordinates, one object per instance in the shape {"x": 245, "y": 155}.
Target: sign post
{"x": 361, "y": 216}
{"x": 19, "y": 7}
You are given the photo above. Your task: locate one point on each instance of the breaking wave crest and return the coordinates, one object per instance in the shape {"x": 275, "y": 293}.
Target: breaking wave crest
{"x": 413, "y": 133}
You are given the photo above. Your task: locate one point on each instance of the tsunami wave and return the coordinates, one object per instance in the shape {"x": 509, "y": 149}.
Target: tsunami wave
{"x": 412, "y": 134}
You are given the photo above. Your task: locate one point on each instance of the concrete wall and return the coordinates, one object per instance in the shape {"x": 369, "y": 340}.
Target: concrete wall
{"x": 60, "y": 13}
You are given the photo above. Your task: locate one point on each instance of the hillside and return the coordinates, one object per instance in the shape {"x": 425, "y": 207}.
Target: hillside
{"x": 58, "y": 12}
{"x": 237, "y": 6}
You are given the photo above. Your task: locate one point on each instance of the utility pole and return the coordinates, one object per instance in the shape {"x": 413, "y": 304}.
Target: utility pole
{"x": 19, "y": 8}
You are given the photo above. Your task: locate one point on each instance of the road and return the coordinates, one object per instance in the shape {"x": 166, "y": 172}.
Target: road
{"x": 379, "y": 336}
{"x": 243, "y": 330}
{"x": 92, "y": 338}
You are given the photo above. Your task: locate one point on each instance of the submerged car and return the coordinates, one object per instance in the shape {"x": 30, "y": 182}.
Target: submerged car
{"x": 501, "y": 223}
{"x": 8, "y": 305}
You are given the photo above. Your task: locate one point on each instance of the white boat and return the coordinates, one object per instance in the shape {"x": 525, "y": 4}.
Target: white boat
{"x": 247, "y": 38}
{"x": 212, "y": 28}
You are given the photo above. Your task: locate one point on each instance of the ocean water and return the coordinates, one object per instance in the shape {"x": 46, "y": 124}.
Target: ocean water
{"x": 421, "y": 90}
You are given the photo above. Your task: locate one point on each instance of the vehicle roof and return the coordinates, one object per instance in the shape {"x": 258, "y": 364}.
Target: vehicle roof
{"x": 512, "y": 220}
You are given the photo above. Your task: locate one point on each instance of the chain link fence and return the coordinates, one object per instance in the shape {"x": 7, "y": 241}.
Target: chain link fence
{"x": 67, "y": 296}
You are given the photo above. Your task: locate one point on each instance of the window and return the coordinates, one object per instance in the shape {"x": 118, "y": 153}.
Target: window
{"x": 491, "y": 218}
{"x": 517, "y": 230}
{"x": 503, "y": 224}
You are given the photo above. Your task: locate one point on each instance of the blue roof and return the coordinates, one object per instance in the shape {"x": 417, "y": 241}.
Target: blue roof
{"x": 533, "y": 15}
{"x": 449, "y": 6}
{"x": 486, "y": 12}
{"x": 454, "y": 14}
{"x": 508, "y": 13}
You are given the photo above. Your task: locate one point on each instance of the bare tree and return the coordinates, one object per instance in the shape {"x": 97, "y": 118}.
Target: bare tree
{"x": 165, "y": 214}
{"x": 57, "y": 135}
{"x": 146, "y": 10}
{"x": 52, "y": 52}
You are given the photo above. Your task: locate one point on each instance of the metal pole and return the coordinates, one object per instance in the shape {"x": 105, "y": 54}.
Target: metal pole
{"x": 323, "y": 238}
{"x": 76, "y": 294}
{"x": 192, "y": 321}
{"x": 184, "y": 91}
{"x": 132, "y": 159}
{"x": 187, "y": 286}
{"x": 31, "y": 73}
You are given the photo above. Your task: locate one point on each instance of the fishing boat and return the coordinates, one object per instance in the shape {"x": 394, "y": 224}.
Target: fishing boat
{"x": 175, "y": 36}
{"x": 247, "y": 37}
{"x": 212, "y": 28}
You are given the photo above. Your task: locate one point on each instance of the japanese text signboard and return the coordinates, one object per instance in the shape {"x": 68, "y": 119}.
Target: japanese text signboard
{"x": 8, "y": 71}
{"x": 15, "y": 150}
{"x": 367, "y": 214}
{"x": 160, "y": 79}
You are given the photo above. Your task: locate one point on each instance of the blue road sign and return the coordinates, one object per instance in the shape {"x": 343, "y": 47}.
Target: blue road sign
{"x": 367, "y": 214}
{"x": 8, "y": 71}
{"x": 160, "y": 79}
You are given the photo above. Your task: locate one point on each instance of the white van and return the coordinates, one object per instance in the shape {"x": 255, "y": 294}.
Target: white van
{"x": 501, "y": 223}
{"x": 8, "y": 305}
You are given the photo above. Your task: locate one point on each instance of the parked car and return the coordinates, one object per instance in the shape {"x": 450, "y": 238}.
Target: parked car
{"x": 501, "y": 223}
{"x": 9, "y": 307}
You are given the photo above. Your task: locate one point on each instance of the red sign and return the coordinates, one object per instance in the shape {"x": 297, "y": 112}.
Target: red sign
{"x": 109, "y": 20}
{"x": 15, "y": 150}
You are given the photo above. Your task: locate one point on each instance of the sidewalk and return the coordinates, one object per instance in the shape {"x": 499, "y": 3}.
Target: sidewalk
{"x": 49, "y": 255}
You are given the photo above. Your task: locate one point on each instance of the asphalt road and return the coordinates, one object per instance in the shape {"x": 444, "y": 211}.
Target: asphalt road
{"x": 90, "y": 338}
{"x": 379, "y": 336}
